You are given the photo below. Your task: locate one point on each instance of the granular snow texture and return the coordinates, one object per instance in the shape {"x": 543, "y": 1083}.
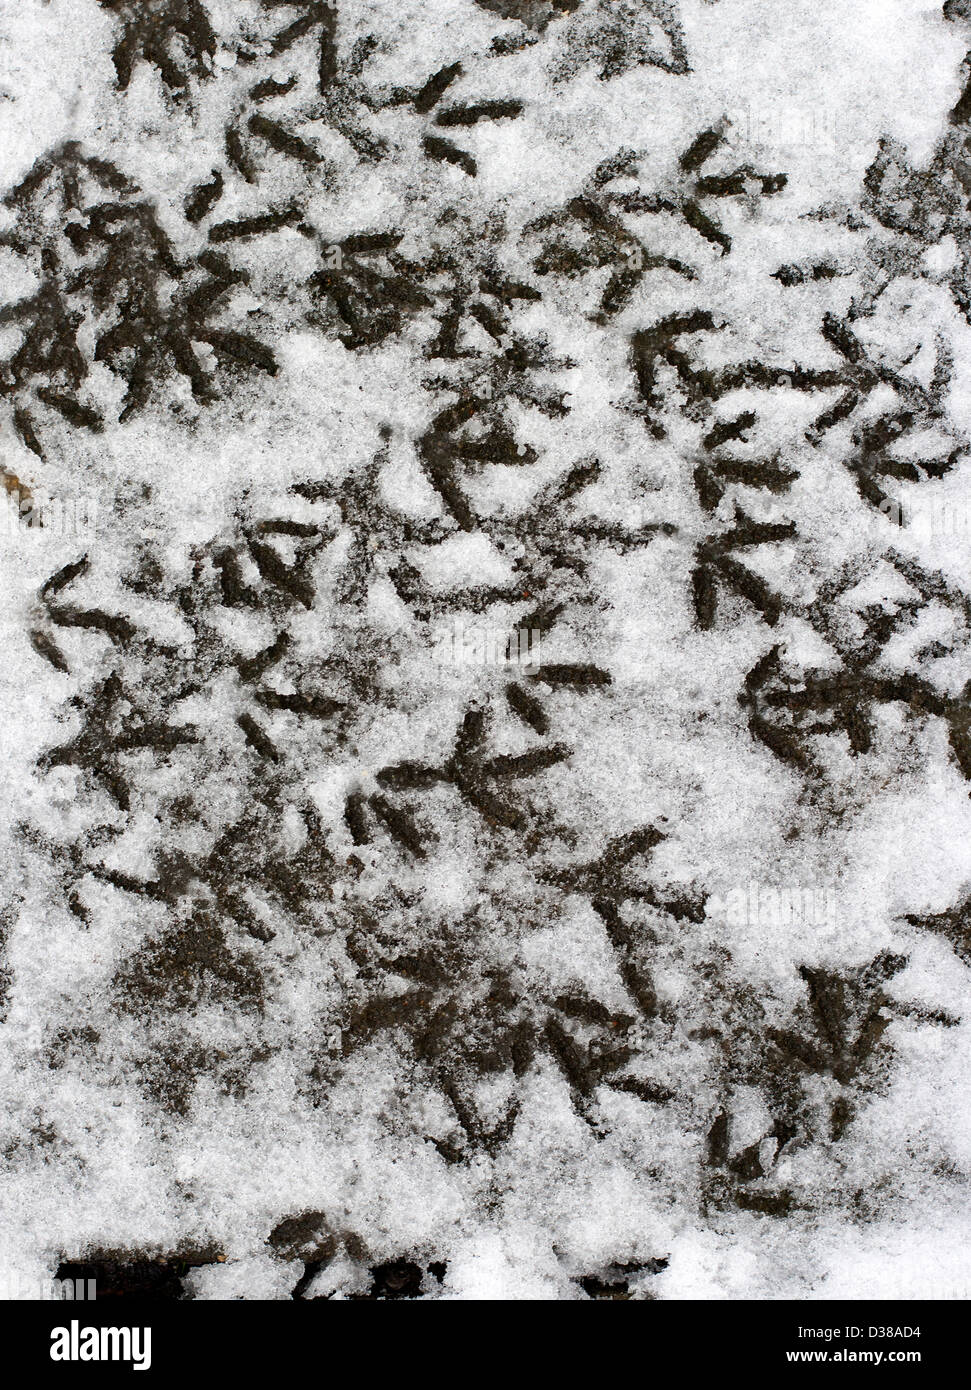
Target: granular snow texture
{"x": 486, "y": 572}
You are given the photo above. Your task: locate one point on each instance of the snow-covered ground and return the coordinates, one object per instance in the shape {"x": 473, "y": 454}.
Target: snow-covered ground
{"x": 486, "y": 572}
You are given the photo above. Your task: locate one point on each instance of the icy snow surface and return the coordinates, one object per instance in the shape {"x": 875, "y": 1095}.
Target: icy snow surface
{"x": 486, "y": 570}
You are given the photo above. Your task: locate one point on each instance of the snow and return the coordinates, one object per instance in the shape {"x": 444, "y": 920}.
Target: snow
{"x": 639, "y": 969}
